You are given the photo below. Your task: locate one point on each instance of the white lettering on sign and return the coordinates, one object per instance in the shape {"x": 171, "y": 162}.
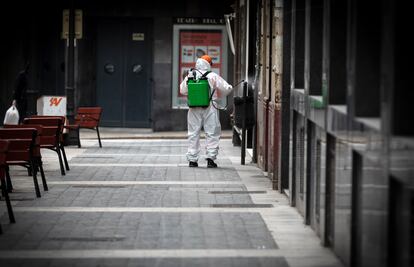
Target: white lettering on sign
{"x": 186, "y": 20}
{"x": 138, "y": 36}
{"x": 210, "y": 21}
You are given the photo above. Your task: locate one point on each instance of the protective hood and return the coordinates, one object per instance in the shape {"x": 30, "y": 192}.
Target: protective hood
{"x": 203, "y": 65}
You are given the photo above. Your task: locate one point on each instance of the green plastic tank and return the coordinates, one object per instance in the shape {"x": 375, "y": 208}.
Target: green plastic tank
{"x": 198, "y": 92}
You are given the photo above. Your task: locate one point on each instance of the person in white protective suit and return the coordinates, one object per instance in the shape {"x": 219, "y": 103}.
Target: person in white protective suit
{"x": 208, "y": 117}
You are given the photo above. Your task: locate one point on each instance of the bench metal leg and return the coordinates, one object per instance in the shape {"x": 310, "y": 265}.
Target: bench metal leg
{"x": 8, "y": 181}
{"x": 62, "y": 168}
{"x": 8, "y": 204}
{"x": 42, "y": 174}
{"x": 62, "y": 148}
{"x": 36, "y": 184}
{"x": 99, "y": 137}
{"x": 78, "y": 133}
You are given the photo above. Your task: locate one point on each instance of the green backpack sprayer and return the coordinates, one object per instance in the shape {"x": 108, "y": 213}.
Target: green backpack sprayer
{"x": 199, "y": 94}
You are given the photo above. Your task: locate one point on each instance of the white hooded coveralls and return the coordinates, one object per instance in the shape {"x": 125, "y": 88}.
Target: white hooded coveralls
{"x": 208, "y": 118}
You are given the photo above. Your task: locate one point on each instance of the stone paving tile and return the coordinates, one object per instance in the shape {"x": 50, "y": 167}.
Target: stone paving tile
{"x": 135, "y": 196}
{"x": 143, "y": 151}
{"x": 82, "y": 230}
{"x": 163, "y": 262}
{"x": 143, "y": 173}
{"x": 161, "y": 158}
{"x": 140, "y": 148}
{"x": 137, "y": 158}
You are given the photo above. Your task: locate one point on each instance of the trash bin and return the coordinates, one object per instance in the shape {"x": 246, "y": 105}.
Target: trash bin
{"x": 51, "y": 105}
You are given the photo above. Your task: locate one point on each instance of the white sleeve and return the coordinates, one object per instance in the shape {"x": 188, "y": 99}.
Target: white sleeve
{"x": 184, "y": 87}
{"x": 218, "y": 83}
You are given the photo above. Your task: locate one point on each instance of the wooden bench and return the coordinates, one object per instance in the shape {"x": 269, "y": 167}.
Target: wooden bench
{"x": 37, "y": 156}
{"x": 21, "y": 152}
{"x": 61, "y": 139}
{"x": 51, "y": 138}
{"x": 88, "y": 118}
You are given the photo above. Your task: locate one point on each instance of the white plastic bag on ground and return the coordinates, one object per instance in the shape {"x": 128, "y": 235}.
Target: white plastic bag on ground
{"x": 12, "y": 116}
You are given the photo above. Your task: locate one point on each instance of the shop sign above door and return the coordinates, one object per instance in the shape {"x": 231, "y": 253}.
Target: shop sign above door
{"x": 210, "y": 21}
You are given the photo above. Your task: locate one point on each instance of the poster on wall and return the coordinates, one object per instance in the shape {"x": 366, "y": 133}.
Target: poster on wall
{"x": 190, "y": 43}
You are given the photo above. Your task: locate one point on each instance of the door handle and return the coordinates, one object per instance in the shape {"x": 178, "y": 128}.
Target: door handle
{"x": 137, "y": 68}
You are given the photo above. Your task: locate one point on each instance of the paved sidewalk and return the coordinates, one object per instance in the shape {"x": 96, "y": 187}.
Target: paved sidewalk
{"x": 136, "y": 202}
{"x": 140, "y": 133}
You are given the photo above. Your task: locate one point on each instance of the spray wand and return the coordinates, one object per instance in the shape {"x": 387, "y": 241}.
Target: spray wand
{"x": 214, "y": 104}
{"x": 238, "y": 83}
